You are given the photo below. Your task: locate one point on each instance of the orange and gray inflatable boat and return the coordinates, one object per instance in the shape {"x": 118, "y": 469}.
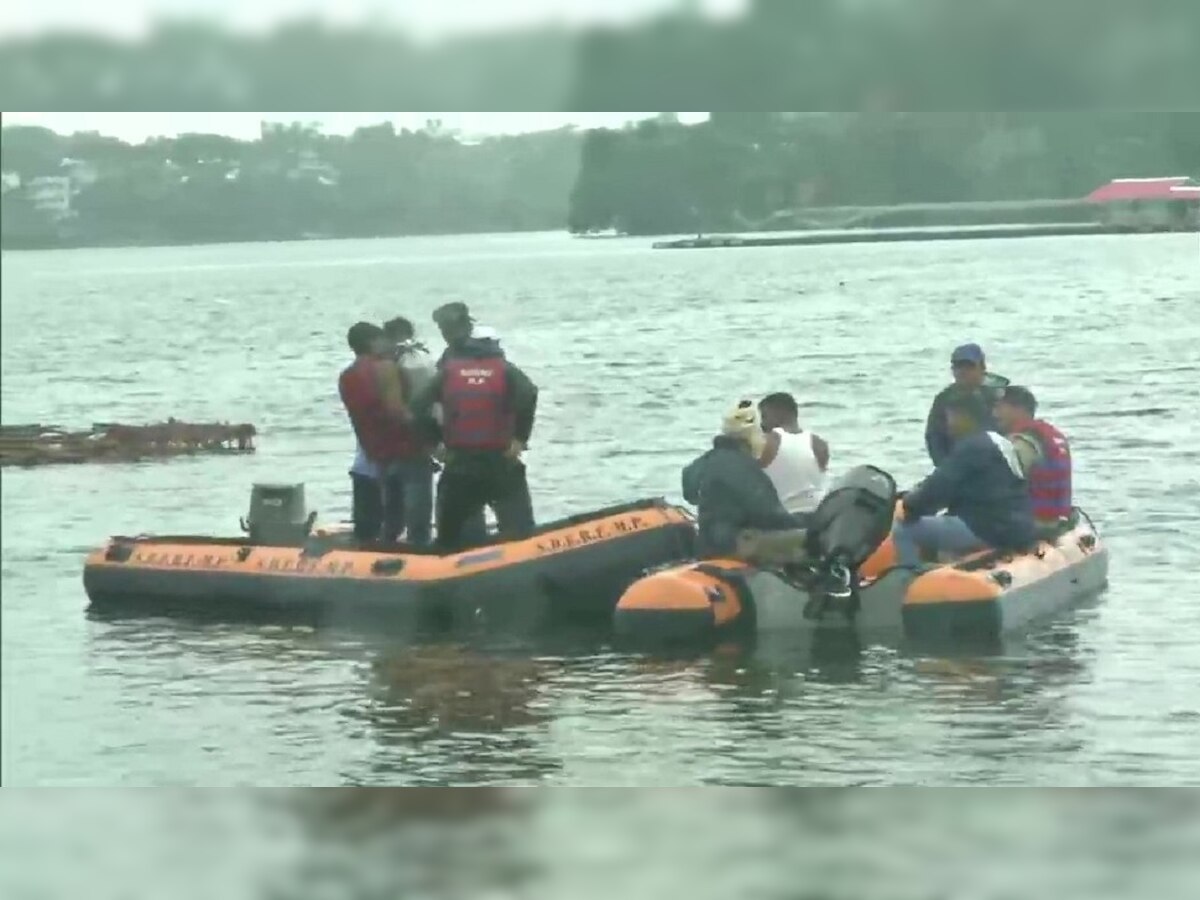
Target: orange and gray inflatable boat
{"x": 985, "y": 594}
{"x": 569, "y": 571}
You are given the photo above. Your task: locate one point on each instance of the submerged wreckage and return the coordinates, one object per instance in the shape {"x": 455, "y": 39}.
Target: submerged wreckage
{"x": 41, "y": 445}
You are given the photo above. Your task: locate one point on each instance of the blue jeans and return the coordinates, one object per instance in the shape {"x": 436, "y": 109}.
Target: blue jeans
{"x": 933, "y": 534}
{"x": 408, "y": 501}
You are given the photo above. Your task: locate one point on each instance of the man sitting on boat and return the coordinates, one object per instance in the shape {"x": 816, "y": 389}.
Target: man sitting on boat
{"x": 793, "y": 459}
{"x": 739, "y": 510}
{"x": 969, "y": 367}
{"x": 1045, "y": 457}
{"x": 980, "y": 484}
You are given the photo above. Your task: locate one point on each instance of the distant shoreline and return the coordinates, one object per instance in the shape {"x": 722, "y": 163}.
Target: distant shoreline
{"x": 67, "y": 244}
{"x": 816, "y": 225}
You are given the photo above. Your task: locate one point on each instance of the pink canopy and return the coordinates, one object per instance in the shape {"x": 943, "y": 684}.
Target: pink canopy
{"x": 1178, "y": 188}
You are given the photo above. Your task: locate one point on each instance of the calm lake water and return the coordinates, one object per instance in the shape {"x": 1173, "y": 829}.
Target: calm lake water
{"x": 638, "y": 353}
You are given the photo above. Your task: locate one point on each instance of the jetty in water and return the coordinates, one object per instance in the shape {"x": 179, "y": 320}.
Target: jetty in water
{"x": 890, "y": 235}
{"x": 42, "y": 445}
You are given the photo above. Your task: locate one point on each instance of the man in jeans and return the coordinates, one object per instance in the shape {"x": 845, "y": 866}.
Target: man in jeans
{"x": 392, "y": 474}
{"x": 981, "y": 486}
{"x": 408, "y": 482}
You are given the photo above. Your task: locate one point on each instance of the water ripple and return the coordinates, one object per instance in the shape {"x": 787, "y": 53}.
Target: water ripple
{"x": 638, "y": 353}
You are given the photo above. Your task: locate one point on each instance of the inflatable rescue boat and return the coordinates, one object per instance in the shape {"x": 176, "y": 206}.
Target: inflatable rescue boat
{"x": 569, "y": 571}
{"x": 853, "y": 582}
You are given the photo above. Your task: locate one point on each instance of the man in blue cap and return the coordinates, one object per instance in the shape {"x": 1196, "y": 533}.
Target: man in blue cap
{"x": 971, "y": 377}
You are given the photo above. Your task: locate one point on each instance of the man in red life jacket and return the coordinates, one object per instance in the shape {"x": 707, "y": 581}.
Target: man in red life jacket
{"x": 488, "y": 408}
{"x": 1044, "y": 453}
{"x": 372, "y": 392}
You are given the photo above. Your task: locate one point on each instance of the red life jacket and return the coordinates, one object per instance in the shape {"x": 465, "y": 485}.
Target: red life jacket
{"x": 382, "y": 437}
{"x": 1050, "y": 477}
{"x": 475, "y": 408}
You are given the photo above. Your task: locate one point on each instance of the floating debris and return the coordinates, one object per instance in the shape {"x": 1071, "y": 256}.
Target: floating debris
{"x": 41, "y": 445}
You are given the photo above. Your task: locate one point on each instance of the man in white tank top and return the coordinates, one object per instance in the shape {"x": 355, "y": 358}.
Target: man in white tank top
{"x": 794, "y": 460}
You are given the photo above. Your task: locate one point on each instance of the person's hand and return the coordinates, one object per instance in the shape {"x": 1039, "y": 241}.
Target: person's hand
{"x": 515, "y": 449}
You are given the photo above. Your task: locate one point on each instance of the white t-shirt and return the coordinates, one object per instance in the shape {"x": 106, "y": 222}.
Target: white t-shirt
{"x": 794, "y": 471}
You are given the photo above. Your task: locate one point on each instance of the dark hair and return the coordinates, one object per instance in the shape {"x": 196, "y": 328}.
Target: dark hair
{"x": 361, "y": 335}
{"x": 452, "y": 314}
{"x": 1020, "y": 397}
{"x": 399, "y": 328}
{"x": 969, "y": 403}
{"x": 781, "y": 401}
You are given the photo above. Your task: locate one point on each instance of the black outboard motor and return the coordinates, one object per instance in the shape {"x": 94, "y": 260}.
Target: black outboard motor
{"x": 852, "y": 520}
{"x": 277, "y": 516}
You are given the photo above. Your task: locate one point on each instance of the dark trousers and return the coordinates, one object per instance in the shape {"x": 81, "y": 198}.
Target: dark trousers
{"x": 400, "y": 501}
{"x": 471, "y": 483}
{"x": 367, "y": 507}
{"x": 474, "y": 533}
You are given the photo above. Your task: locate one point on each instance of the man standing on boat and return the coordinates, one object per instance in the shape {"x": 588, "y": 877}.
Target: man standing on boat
{"x": 1044, "y": 453}
{"x": 980, "y": 485}
{"x": 969, "y": 367}
{"x": 488, "y": 410}
{"x": 373, "y": 395}
{"x": 416, "y": 368}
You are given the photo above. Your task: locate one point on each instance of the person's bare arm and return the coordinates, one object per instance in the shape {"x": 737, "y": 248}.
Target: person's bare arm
{"x": 770, "y": 449}
{"x": 391, "y": 389}
{"x": 820, "y": 451}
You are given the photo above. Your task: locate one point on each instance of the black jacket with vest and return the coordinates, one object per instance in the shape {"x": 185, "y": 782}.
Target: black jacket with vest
{"x": 522, "y": 392}
{"x": 732, "y": 493}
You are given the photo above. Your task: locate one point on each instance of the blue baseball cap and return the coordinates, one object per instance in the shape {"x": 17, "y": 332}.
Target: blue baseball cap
{"x": 967, "y": 353}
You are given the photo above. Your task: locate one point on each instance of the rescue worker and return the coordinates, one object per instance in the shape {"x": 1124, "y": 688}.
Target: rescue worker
{"x": 488, "y": 409}
{"x": 738, "y": 510}
{"x": 1044, "y": 453}
{"x": 969, "y": 367}
{"x": 372, "y": 393}
{"x": 482, "y": 336}
{"x": 980, "y": 484}
{"x": 794, "y": 460}
{"x": 485, "y": 337}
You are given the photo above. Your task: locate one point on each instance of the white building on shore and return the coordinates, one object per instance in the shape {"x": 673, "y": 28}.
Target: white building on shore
{"x": 51, "y": 194}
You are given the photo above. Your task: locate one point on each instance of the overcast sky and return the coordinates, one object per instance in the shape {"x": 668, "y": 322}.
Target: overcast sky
{"x": 136, "y": 127}
{"x": 419, "y": 17}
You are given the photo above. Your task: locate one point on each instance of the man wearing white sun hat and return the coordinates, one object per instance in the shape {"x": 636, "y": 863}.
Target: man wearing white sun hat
{"x": 738, "y": 509}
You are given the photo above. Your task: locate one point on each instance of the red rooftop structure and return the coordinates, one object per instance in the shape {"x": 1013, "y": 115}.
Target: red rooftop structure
{"x": 1150, "y": 204}
{"x": 1134, "y": 189}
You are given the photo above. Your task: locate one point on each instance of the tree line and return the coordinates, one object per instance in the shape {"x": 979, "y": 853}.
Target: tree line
{"x": 750, "y": 171}
{"x": 899, "y": 71}
{"x": 292, "y": 182}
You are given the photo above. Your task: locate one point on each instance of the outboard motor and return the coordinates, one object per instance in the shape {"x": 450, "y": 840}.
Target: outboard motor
{"x": 852, "y": 520}
{"x": 277, "y": 516}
